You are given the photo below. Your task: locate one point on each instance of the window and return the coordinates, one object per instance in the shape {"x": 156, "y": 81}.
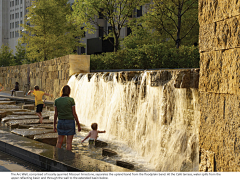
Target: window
{"x": 12, "y": 3}
{"x": 100, "y": 14}
{"x": 128, "y": 31}
{"x": 21, "y": 1}
{"x": 16, "y": 34}
{"x": 139, "y": 12}
{"x": 16, "y": 15}
{"x": 16, "y": 24}
{"x": 21, "y": 22}
{"x": 10, "y": 25}
{"x": 20, "y": 14}
{"x": 100, "y": 32}
{"x": 12, "y": 34}
{"x": 10, "y": 17}
{"x": 13, "y": 25}
{"x": 82, "y": 50}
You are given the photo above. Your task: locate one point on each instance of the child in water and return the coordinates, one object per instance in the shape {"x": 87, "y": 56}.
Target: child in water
{"x": 93, "y": 135}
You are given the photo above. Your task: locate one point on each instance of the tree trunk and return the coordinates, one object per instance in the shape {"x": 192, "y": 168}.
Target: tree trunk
{"x": 179, "y": 26}
{"x": 116, "y": 42}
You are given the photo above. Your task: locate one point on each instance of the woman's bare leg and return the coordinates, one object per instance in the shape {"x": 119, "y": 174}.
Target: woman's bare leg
{"x": 69, "y": 142}
{"x": 60, "y": 141}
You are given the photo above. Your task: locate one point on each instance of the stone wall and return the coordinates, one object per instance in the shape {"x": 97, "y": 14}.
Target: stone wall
{"x": 219, "y": 42}
{"x": 49, "y": 75}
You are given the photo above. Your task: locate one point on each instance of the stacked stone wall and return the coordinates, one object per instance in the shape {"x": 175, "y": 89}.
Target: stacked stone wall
{"x": 49, "y": 75}
{"x": 219, "y": 85}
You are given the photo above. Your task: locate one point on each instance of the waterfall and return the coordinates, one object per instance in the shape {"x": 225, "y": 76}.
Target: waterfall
{"x": 158, "y": 121}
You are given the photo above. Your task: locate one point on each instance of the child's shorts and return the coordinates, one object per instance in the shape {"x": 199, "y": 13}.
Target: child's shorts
{"x": 91, "y": 141}
{"x": 39, "y": 108}
{"x": 66, "y": 127}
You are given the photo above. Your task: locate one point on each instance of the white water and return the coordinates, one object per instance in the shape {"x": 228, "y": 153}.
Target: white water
{"x": 158, "y": 126}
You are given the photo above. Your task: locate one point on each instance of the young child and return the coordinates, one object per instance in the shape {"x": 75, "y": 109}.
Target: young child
{"x": 38, "y": 101}
{"x": 93, "y": 135}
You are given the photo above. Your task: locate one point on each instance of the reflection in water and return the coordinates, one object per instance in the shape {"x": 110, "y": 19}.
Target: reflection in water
{"x": 152, "y": 124}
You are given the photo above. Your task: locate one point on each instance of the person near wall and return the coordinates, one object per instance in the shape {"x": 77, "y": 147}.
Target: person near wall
{"x": 38, "y": 101}
{"x": 16, "y": 88}
{"x": 2, "y": 88}
{"x": 66, "y": 114}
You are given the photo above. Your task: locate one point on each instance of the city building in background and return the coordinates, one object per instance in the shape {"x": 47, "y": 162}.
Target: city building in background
{"x": 12, "y": 13}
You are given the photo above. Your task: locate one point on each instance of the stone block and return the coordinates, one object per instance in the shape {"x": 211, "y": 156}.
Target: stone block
{"x": 48, "y": 138}
{"x": 219, "y": 129}
{"x": 19, "y": 93}
{"x": 7, "y": 102}
{"x": 79, "y": 64}
{"x": 108, "y": 152}
{"x": 125, "y": 164}
{"x": 220, "y": 71}
{"x": 29, "y": 106}
{"x": 219, "y": 35}
{"x": 99, "y": 143}
{"x": 217, "y": 10}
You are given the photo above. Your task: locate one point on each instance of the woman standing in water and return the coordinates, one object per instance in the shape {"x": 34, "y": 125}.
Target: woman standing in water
{"x": 66, "y": 114}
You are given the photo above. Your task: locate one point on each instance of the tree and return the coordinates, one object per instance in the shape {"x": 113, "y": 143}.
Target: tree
{"x": 176, "y": 19}
{"x": 20, "y": 55}
{"x": 139, "y": 36}
{"x": 115, "y": 12}
{"x": 48, "y": 33}
{"x": 6, "y": 56}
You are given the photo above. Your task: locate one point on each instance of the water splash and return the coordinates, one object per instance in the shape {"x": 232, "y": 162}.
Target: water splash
{"x": 159, "y": 123}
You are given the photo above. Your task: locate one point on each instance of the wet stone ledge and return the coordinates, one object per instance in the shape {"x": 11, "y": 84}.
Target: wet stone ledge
{"x": 184, "y": 78}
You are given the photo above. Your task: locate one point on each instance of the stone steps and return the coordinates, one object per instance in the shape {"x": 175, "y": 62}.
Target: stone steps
{"x": 7, "y": 102}
{"x": 5, "y": 99}
{"x": 25, "y": 123}
{"x": 22, "y": 117}
{"x": 30, "y": 133}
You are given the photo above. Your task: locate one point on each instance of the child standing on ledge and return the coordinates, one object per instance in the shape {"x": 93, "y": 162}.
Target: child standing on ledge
{"x": 38, "y": 101}
{"x": 93, "y": 134}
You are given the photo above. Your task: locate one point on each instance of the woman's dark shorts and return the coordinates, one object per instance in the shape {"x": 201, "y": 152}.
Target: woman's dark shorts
{"x": 39, "y": 108}
{"x": 66, "y": 127}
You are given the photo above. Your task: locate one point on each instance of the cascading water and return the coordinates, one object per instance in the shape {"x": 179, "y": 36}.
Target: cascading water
{"x": 159, "y": 123}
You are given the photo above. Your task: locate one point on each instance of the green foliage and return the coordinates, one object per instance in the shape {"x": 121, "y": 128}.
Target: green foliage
{"x": 148, "y": 57}
{"x": 115, "y": 12}
{"x": 48, "y": 34}
{"x": 175, "y": 19}
{"x": 20, "y": 55}
{"x": 6, "y": 56}
{"x": 139, "y": 37}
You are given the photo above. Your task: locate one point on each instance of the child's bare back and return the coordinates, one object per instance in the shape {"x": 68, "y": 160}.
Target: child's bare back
{"x": 93, "y": 135}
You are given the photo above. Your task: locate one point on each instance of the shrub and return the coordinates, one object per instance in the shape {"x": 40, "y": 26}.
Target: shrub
{"x": 147, "y": 57}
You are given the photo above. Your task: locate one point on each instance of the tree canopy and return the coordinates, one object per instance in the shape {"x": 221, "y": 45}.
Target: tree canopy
{"x": 48, "y": 33}
{"x": 116, "y": 12}
{"x": 174, "y": 19}
{"x": 20, "y": 55}
{"x": 6, "y": 56}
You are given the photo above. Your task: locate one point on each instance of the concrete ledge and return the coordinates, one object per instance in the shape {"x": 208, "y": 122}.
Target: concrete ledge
{"x": 49, "y": 157}
{"x": 19, "y": 93}
{"x": 25, "y": 99}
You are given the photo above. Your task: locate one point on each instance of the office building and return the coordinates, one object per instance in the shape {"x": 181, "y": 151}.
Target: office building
{"x": 12, "y": 13}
